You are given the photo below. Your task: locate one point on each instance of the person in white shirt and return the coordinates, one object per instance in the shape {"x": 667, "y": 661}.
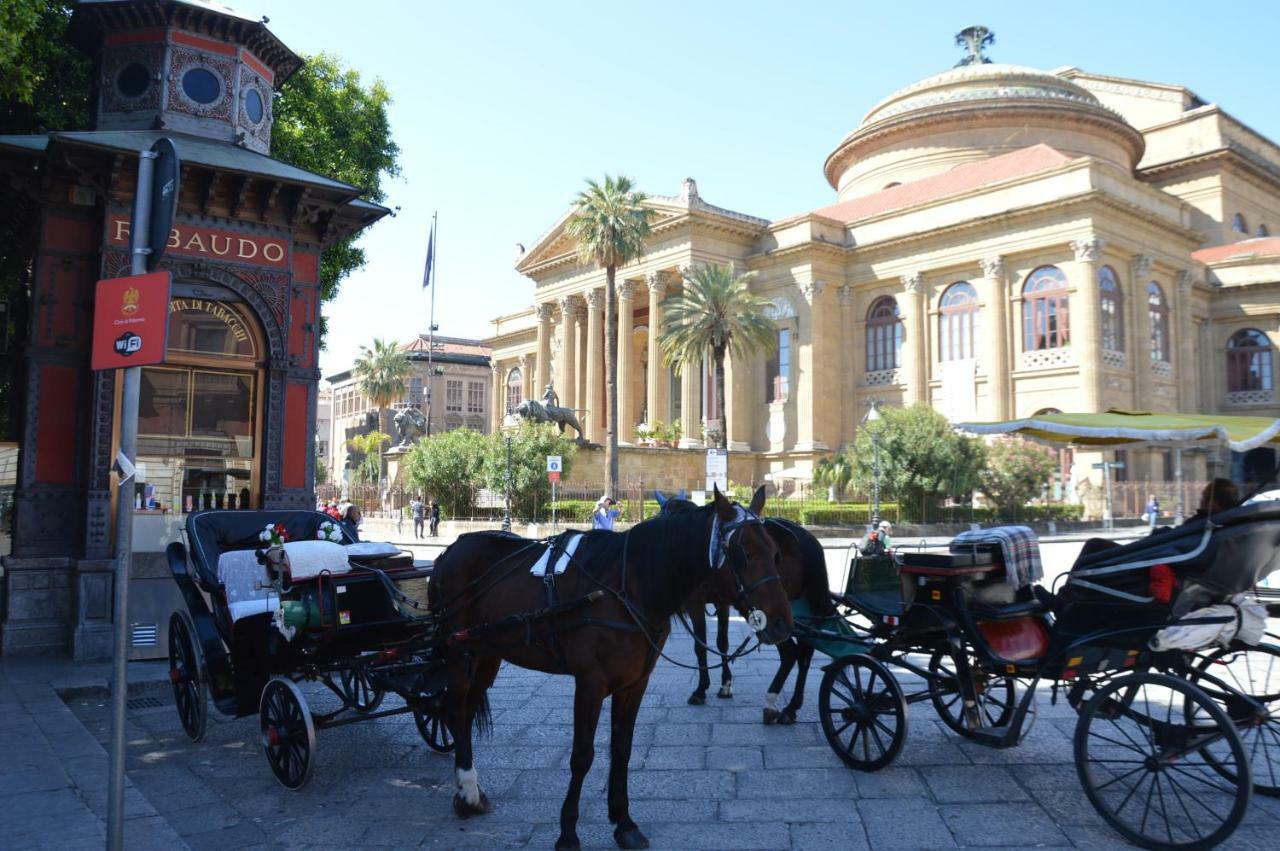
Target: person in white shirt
{"x": 604, "y": 515}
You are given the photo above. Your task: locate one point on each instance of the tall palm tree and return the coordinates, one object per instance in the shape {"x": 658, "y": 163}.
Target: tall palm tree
{"x": 716, "y": 313}
{"x": 382, "y": 372}
{"x": 610, "y": 225}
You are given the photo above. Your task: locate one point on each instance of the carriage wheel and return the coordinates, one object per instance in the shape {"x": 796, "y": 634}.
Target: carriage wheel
{"x": 187, "y": 674}
{"x": 288, "y": 735}
{"x": 431, "y": 724}
{"x": 863, "y": 712}
{"x": 1157, "y": 774}
{"x": 996, "y": 695}
{"x": 359, "y": 691}
{"x": 1252, "y": 671}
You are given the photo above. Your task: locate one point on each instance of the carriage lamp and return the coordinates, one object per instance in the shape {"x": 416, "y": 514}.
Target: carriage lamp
{"x": 872, "y": 422}
{"x": 510, "y": 424}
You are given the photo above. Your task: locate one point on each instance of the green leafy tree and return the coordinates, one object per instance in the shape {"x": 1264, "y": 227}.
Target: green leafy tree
{"x": 322, "y": 470}
{"x": 369, "y": 446}
{"x": 329, "y": 121}
{"x": 923, "y": 460}
{"x": 530, "y": 447}
{"x": 44, "y": 81}
{"x": 834, "y": 473}
{"x": 1016, "y": 472}
{"x": 716, "y": 313}
{"x": 450, "y": 468}
{"x": 610, "y": 225}
{"x": 381, "y": 372}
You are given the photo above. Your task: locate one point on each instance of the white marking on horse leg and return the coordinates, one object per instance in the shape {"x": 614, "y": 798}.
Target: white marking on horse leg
{"x": 771, "y": 700}
{"x": 468, "y": 785}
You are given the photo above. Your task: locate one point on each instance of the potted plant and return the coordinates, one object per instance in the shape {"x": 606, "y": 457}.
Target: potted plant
{"x": 674, "y": 433}
{"x": 645, "y": 434}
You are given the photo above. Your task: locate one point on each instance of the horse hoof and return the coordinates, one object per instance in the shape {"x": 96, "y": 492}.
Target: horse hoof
{"x": 726, "y": 690}
{"x": 786, "y": 719}
{"x": 630, "y": 839}
{"x": 697, "y": 699}
{"x": 570, "y": 843}
{"x": 466, "y": 810}
{"x": 771, "y": 716}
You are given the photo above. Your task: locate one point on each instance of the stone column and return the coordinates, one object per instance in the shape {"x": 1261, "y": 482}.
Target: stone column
{"x": 848, "y": 386}
{"x": 626, "y": 362}
{"x": 499, "y": 396}
{"x": 657, "y": 384}
{"x": 1139, "y": 330}
{"x": 568, "y": 379}
{"x": 814, "y": 372}
{"x": 914, "y": 351}
{"x": 1210, "y": 371}
{"x": 995, "y": 354}
{"x": 543, "y": 366}
{"x": 594, "y": 401}
{"x": 691, "y": 405}
{"x": 1086, "y": 321}
{"x": 1184, "y": 343}
{"x": 582, "y": 394}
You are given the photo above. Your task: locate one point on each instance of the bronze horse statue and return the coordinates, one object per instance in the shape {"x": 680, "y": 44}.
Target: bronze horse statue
{"x": 535, "y": 411}
{"x": 802, "y": 569}
{"x": 603, "y": 621}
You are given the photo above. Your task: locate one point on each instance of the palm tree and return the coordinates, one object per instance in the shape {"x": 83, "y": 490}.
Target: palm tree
{"x": 610, "y": 225}
{"x": 382, "y": 372}
{"x": 835, "y": 472}
{"x": 716, "y": 313}
{"x": 369, "y": 445}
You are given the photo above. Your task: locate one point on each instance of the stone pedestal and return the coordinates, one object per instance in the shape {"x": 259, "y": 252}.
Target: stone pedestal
{"x": 393, "y": 457}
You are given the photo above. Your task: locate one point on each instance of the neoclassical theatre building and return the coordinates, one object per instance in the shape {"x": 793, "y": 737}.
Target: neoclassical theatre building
{"x": 1002, "y": 241}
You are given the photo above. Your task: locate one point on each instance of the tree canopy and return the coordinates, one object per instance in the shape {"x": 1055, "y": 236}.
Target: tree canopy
{"x": 1016, "y": 472}
{"x": 369, "y": 470}
{"x": 381, "y": 371}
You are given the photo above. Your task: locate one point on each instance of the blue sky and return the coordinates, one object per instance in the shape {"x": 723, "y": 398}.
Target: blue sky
{"x": 502, "y": 109}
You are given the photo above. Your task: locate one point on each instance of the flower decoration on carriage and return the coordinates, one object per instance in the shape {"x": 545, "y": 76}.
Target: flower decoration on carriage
{"x": 329, "y": 531}
{"x": 274, "y": 535}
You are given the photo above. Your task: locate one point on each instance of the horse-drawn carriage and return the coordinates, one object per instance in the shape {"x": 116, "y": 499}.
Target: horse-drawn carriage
{"x": 1178, "y": 715}
{"x": 277, "y": 597}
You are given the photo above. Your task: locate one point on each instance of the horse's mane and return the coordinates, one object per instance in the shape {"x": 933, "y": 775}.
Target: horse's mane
{"x": 817, "y": 590}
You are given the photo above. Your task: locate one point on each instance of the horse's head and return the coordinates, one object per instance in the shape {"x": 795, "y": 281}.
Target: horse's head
{"x": 744, "y": 566}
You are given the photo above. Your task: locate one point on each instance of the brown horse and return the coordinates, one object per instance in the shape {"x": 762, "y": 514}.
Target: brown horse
{"x": 603, "y": 622}
{"x": 802, "y": 569}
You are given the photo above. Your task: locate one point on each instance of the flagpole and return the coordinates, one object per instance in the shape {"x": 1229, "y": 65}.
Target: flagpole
{"x": 431, "y": 332}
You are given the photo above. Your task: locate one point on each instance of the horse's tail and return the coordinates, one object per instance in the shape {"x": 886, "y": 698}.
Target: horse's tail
{"x": 482, "y": 718}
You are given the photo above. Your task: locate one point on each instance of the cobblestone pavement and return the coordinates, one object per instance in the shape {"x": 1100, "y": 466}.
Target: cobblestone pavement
{"x": 710, "y": 777}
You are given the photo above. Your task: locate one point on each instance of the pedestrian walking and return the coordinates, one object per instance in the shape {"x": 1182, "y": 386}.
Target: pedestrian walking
{"x": 1151, "y": 513}
{"x": 419, "y": 513}
{"x": 435, "y": 519}
{"x": 605, "y": 514}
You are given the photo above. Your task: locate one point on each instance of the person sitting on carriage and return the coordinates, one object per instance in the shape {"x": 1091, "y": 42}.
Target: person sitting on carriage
{"x": 1217, "y": 496}
{"x": 877, "y": 542}
{"x": 349, "y": 515}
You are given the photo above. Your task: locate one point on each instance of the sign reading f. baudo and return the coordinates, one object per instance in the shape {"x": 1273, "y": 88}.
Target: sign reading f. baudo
{"x": 131, "y": 321}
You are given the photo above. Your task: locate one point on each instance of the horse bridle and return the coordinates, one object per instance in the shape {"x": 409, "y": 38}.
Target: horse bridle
{"x": 724, "y": 546}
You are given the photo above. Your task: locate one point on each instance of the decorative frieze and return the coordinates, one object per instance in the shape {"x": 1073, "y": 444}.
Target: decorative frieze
{"x": 1162, "y": 368}
{"x": 1115, "y": 360}
{"x": 913, "y": 282}
{"x": 812, "y": 290}
{"x": 992, "y": 267}
{"x": 1047, "y": 358}
{"x": 882, "y": 377}
{"x": 1241, "y": 398}
{"x": 1087, "y": 250}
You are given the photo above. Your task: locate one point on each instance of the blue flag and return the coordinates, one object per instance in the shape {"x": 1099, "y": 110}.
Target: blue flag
{"x": 431, "y": 251}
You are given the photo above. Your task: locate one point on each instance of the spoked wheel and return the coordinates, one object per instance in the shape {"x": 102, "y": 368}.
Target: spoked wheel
{"x": 288, "y": 735}
{"x": 359, "y": 690}
{"x": 863, "y": 712}
{"x": 187, "y": 674}
{"x": 1157, "y": 774}
{"x": 431, "y": 724}
{"x": 1229, "y": 673}
{"x": 996, "y": 695}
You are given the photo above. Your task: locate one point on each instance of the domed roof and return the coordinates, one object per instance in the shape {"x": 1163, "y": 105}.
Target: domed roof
{"x": 982, "y": 93}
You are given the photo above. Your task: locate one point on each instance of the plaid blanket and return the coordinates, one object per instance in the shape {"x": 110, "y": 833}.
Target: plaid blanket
{"x": 1018, "y": 545}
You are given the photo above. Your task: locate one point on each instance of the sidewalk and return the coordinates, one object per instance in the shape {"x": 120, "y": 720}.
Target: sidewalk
{"x": 53, "y": 777}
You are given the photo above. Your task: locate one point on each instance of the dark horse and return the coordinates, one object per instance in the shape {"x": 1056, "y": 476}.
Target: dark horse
{"x": 603, "y": 622}
{"x": 803, "y": 570}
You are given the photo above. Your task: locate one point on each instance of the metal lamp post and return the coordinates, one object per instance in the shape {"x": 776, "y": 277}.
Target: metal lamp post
{"x": 509, "y": 426}
{"x": 872, "y": 421}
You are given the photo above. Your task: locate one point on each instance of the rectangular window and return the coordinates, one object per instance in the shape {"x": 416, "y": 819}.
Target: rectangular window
{"x": 1121, "y": 474}
{"x": 453, "y": 395}
{"x": 415, "y": 392}
{"x": 778, "y": 369}
{"x": 1166, "y": 458}
{"x": 475, "y": 397}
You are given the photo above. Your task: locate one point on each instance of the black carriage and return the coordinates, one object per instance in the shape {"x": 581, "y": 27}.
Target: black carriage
{"x": 1169, "y": 744}
{"x": 260, "y": 618}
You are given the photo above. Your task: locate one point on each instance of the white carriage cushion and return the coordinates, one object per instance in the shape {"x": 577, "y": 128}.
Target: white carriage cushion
{"x": 371, "y": 549}
{"x": 539, "y": 567}
{"x": 243, "y": 577}
{"x": 308, "y": 559}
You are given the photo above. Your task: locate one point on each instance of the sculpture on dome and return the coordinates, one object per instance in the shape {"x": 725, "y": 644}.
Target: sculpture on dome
{"x": 974, "y": 39}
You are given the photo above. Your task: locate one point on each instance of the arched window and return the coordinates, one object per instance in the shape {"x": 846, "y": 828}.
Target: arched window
{"x": 1112, "y": 310}
{"x": 958, "y": 315}
{"x": 1158, "y": 311}
{"x": 1045, "y": 322}
{"x": 1238, "y": 224}
{"x": 1248, "y": 361}
{"x": 515, "y": 390}
{"x": 1263, "y": 231}
{"x": 884, "y": 335}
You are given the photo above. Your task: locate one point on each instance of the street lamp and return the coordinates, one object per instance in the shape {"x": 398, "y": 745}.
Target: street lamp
{"x": 510, "y": 424}
{"x": 871, "y": 421}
